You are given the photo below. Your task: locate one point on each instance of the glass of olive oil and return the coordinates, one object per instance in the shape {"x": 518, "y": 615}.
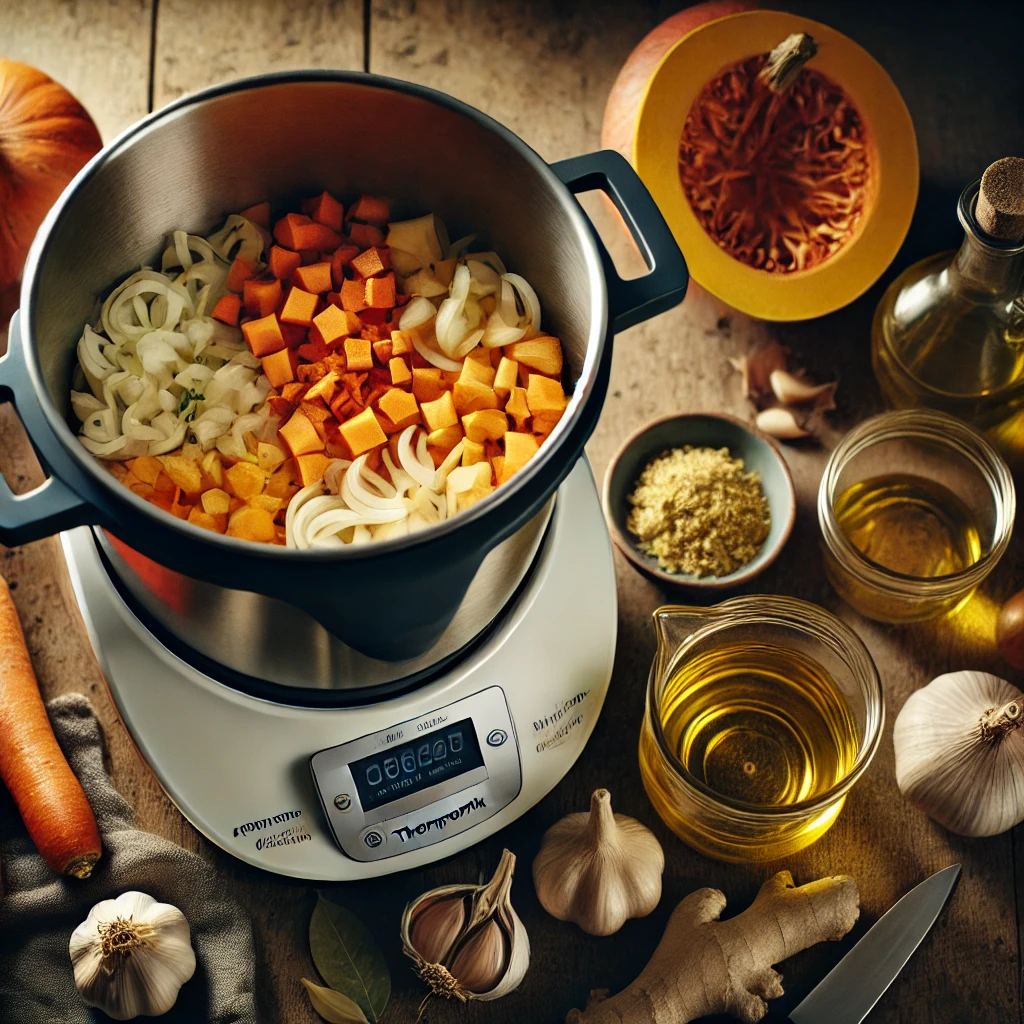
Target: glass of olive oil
{"x": 761, "y": 713}
{"x": 915, "y": 508}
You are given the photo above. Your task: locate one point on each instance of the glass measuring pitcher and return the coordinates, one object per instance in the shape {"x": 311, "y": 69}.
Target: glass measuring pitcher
{"x": 762, "y": 712}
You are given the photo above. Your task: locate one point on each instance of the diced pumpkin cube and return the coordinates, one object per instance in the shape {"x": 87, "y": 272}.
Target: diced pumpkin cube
{"x": 427, "y": 385}
{"x": 358, "y": 354}
{"x": 382, "y": 350}
{"x": 312, "y": 467}
{"x": 269, "y": 456}
{"x": 518, "y": 408}
{"x": 469, "y": 396}
{"x": 450, "y": 376}
{"x": 299, "y": 232}
{"x": 400, "y": 372}
{"x": 472, "y": 452}
{"x": 498, "y": 464}
{"x": 280, "y": 367}
{"x": 474, "y": 371}
{"x": 400, "y": 407}
{"x": 485, "y": 424}
{"x": 363, "y": 432}
{"x": 353, "y": 296}
{"x": 315, "y": 278}
{"x": 285, "y": 228}
{"x": 259, "y": 214}
{"x": 266, "y": 501}
{"x": 284, "y": 481}
{"x": 380, "y": 291}
{"x": 323, "y": 388}
{"x": 445, "y": 438}
{"x": 238, "y": 273}
{"x": 147, "y": 469}
{"x": 343, "y": 255}
{"x": 334, "y": 323}
{"x": 327, "y": 210}
{"x": 216, "y": 501}
{"x": 184, "y": 471}
{"x": 365, "y": 235}
{"x": 440, "y": 413}
{"x": 370, "y": 209}
{"x": 227, "y": 310}
{"x": 245, "y": 479}
{"x": 373, "y": 261}
{"x": 544, "y": 395}
{"x": 401, "y": 343}
{"x": 264, "y": 336}
{"x": 282, "y": 263}
{"x": 261, "y": 298}
{"x": 299, "y": 307}
{"x": 519, "y": 449}
{"x": 543, "y": 354}
{"x": 300, "y": 435}
{"x": 206, "y": 521}
{"x": 255, "y": 524}
{"x": 505, "y": 377}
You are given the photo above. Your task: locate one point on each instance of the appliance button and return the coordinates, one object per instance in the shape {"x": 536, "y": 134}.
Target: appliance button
{"x": 496, "y": 737}
{"x": 373, "y": 840}
{"x": 343, "y": 801}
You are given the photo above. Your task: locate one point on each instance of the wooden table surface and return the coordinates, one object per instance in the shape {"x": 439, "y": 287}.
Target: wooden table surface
{"x": 544, "y": 69}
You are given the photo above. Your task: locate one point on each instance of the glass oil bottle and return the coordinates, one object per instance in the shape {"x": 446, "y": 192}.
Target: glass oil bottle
{"x": 949, "y": 331}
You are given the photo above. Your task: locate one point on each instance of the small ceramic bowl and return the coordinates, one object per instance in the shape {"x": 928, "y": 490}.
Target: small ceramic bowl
{"x": 700, "y": 430}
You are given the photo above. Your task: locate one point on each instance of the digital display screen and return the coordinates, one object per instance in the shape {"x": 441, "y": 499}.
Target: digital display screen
{"x": 417, "y": 764}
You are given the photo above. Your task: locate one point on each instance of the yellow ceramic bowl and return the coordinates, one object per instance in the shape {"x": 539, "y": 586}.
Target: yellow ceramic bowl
{"x": 697, "y": 58}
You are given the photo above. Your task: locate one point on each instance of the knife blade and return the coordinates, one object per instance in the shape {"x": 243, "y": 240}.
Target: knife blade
{"x": 848, "y": 993}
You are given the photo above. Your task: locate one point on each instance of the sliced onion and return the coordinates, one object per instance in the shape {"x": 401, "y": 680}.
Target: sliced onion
{"x": 529, "y": 298}
{"x": 359, "y": 496}
{"x": 418, "y": 311}
{"x": 334, "y": 474}
{"x": 498, "y": 333}
{"x": 452, "y": 324}
{"x": 401, "y": 480}
{"x": 451, "y": 460}
{"x": 409, "y": 461}
{"x": 435, "y": 358}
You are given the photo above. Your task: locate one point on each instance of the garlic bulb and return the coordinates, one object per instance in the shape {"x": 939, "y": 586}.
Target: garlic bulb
{"x": 960, "y": 752}
{"x": 467, "y": 941}
{"x": 131, "y": 955}
{"x": 599, "y": 869}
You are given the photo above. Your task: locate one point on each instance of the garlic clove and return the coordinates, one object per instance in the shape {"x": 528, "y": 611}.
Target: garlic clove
{"x": 757, "y": 367}
{"x": 599, "y": 869}
{"x": 479, "y": 965}
{"x": 791, "y": 390}
{"x": 780, "y": 423}
{"x": 436, "y": 927}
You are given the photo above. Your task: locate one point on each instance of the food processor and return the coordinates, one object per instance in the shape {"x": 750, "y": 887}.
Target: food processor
{"x": 342, "y": 713}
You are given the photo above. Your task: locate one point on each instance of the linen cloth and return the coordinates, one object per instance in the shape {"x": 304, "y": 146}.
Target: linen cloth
{"x": 39, "y": 910}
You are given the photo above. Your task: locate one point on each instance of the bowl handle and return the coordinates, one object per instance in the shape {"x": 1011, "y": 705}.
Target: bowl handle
{"x": 52, "y": 506}
{"x": 630, "y": 302}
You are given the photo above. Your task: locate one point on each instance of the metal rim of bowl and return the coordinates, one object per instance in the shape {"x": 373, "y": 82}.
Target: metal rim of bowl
{"x": 639, "y": 560}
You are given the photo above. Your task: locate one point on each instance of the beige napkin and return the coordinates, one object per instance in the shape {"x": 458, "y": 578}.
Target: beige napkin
{"x": 38, "y": 910}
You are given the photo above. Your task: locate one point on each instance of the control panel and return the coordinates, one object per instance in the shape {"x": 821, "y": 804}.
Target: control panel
{"x": 422, "y": 780}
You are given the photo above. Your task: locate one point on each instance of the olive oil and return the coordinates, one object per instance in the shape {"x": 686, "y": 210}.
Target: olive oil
{"x": 759, "y": 727}
{"x": 909, "y": 525}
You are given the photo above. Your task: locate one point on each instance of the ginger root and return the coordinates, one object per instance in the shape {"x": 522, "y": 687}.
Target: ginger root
{"x": 704, "y": 966}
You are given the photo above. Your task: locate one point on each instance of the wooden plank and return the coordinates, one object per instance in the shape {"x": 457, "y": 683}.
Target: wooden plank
{"x": 100, "y": 51}
{"x": 201, "y": 44}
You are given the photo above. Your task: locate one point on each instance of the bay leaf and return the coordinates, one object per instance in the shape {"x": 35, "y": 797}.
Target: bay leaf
{"x": 348, "y": 959}
{"x": 333, "y": 1006}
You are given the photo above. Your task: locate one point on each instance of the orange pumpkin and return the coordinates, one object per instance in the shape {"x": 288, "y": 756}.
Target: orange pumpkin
{"x": 46, "y": 137}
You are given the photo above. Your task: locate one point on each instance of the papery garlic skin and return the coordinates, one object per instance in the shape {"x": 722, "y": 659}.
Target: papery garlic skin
{"x": 960, "y": 752}
{"x": 599, "y": 869}
{"x": 131, "y": 955}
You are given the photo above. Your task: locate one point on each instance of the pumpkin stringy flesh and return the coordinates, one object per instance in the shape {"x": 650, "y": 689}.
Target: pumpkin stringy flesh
{"x": 780, "y": 181}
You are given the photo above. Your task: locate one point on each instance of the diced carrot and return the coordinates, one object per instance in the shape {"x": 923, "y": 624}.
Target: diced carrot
{"x": 323, "y": 388}
{"x": 259, "y": 213}
{"x": 280, "y": 367}
{"x": 300, "y": 436}
{"x": 314, "y": 350}
{"x": 365, "y": 235}
{"x": 282, "y": 263}
{"x": 238, "y": 273}
{"x": 227, "y": 310}
{"x": 261, "y": 297}
{"x": 316, "y": 236}
{"x": 315, "y": 278}
{"x": 312, "y": 467}
{"x": 358, "y": 354}
{"x": 380, "y": 291}
{"x": 370, "y": 209}
{"x": 299, "y": 307}
{"x": 363, "y": 432}
{"x": 342, "y": 255}
{"x": 400, "y": 408}
{"x": 264, "y": 336}
{"x": 285, "y": 228}
{"x": 327, "y": 210}
{"x": 373, "y": 261}
{"x": 353, "y": 296}
{"x": 333, "y": 323}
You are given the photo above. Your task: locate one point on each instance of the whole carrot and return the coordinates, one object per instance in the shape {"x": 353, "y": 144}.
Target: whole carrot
{"x": 33, "y": 767}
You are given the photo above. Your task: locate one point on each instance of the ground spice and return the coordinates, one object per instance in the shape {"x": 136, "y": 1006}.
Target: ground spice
{"x": 699, "y": 512}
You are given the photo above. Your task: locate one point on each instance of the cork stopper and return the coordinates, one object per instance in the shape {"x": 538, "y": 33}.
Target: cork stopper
{"x": 1000, "y": 209}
